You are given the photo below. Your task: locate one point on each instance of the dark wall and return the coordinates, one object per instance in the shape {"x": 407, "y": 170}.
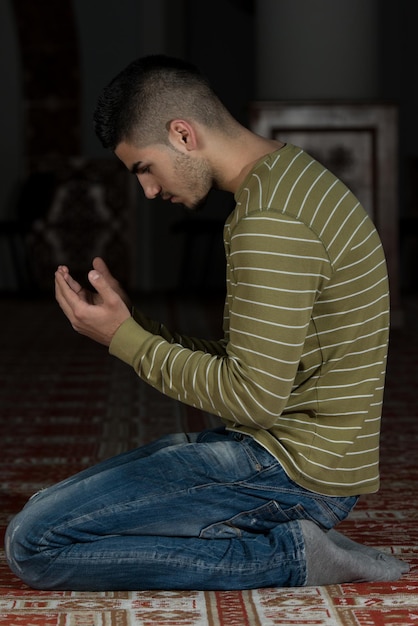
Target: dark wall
{"x": 68, "y": 50}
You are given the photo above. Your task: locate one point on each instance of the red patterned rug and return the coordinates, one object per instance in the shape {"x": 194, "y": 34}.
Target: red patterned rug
{"x": 65, "y": 404}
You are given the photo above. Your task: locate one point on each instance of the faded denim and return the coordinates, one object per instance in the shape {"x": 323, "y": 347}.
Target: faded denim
{"x": 212, "y": 510}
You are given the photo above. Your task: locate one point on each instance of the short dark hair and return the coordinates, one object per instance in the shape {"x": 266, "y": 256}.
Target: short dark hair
{"x": 137, "y": 105}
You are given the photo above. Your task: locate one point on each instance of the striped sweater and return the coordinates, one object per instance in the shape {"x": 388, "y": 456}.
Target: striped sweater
{"x": 301, "y": 366}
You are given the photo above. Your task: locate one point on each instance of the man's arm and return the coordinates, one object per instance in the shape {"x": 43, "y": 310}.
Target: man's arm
{"x": 279, "y": 269}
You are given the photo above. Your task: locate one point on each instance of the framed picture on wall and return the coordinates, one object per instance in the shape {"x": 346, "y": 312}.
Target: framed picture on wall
{"x": 356, "y": 141}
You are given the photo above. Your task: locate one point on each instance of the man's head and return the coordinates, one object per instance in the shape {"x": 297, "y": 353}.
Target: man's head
{"x": 165, "y": 123}
{"x": 140, "y": 102}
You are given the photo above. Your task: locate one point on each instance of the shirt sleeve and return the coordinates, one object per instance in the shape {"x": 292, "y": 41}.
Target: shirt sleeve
{"x": 276, "y": 267}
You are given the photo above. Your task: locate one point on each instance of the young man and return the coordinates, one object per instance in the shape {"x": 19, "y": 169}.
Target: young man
{"x": 297, "y": 378}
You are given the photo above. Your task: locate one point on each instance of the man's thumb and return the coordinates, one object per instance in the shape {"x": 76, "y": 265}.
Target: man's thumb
{"x": 96, "y": 279}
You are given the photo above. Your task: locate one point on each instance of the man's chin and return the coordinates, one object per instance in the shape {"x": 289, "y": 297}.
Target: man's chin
{"x": 197, "y": 206}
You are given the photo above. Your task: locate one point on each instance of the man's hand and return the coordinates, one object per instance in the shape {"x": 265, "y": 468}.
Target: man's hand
{"x": 96, "y": 314}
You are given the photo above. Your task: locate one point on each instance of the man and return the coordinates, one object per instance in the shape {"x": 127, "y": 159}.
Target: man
{"x": 297, "y": 378}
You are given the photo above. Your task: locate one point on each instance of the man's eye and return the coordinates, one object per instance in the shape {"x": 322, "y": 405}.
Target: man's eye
{"x": 144, "y": 170}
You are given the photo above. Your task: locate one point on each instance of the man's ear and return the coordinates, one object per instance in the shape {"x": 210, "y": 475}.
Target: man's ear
{"x": 182, "y": 135}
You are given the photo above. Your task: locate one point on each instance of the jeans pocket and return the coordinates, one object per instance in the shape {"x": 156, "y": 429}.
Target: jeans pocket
{"x": 258, "y": 520}
{"x": 324, "y": 511}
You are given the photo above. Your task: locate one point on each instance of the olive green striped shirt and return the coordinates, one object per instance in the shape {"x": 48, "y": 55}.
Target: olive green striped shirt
{"x": 301, "y": 366}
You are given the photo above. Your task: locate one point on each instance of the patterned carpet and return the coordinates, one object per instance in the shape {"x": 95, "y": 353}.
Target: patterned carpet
{"x": 65, "y": 404}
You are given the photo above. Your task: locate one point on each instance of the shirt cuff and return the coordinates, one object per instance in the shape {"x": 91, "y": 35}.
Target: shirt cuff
{"x": 128, "y": 340}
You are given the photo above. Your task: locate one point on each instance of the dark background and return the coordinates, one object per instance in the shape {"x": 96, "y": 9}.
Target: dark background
{"x": 55, "y": 58}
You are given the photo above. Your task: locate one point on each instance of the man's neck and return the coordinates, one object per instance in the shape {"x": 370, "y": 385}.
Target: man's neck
{"x": 245, "y": 153}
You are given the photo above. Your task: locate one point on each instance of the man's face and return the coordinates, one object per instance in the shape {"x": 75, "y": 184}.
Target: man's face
{"x": 166, "y": 172}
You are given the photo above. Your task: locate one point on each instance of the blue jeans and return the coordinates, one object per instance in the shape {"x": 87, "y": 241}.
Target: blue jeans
{"x": 212, "y": 510}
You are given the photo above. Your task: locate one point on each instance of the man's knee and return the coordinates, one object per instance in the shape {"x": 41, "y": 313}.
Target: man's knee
{"x": 23, "y": 554}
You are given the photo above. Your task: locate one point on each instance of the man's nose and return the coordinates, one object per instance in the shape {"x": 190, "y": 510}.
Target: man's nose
{"x": 151, "y": 190}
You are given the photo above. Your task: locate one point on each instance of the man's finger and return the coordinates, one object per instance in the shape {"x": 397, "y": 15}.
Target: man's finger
{"x": 75, "y": 286}
{"x": 65, "y": 293}
{"x": 102, "y": 285}
{"x": 101, "y": 267}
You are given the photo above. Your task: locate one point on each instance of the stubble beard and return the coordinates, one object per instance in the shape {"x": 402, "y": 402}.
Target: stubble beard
{"x": 197, "y": 178}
